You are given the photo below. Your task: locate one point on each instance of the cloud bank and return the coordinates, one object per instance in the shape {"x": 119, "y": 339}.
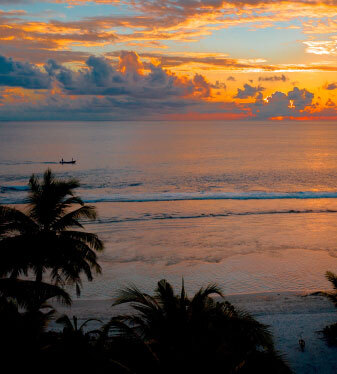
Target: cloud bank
{"x": 131, "y": 89}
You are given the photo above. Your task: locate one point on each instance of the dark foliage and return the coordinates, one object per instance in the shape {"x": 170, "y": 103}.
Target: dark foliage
{"x": 174, "y": 333}
{"x": 164, "y": 333}
{"x": 330, "y": 332}
{"x": 24, "y": 316}
{"x": 49, "y": 237}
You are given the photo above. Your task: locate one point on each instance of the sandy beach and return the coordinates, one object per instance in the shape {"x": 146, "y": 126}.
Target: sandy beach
{"x": 291, "y": 315}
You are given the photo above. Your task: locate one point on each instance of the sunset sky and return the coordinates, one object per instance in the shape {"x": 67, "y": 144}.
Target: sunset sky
{"x": 168, "y": 59}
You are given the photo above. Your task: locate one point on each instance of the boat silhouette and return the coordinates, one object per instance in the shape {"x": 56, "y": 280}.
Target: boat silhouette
{"x": 68, "y": 162}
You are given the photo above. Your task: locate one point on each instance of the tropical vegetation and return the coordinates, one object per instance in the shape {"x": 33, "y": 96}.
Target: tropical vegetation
{"x": 170, "y": 332}
{"x": 44, "y": 248}
{"x": 48, "y": 237}
{"x": 46, "y": 241}
{"x": 330, "y": 331}
{"x": 24, "y": 317}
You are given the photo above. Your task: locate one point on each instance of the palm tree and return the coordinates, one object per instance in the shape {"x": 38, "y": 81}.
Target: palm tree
{"x": 72, "y": 329}
{"x": 83, "y": 350}
{"x": 330, "y": 331}
{"x": 48, "y": 237}
{"x": 199, "y": 334}
{"x": 24, "y": 316}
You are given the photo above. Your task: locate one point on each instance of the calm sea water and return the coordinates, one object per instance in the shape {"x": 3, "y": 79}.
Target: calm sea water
{"x": 251, "y": 206}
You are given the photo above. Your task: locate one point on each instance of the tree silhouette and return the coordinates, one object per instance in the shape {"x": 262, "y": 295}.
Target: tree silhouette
{"x": 330, "y": 331}
{"x": 175, "y": 333}
{"x": 24, "y": 316}
{"x": 48, "y": 237}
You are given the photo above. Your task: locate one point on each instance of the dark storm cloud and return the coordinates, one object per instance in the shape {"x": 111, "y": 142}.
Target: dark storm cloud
{"x": 273, "y": 78}
{"x": 280, "y": 104}
{"x": 300, "y": 98}
{"x": 248, "y": 91}
{"x": 22, "y": 74}
{"x": 102, "y": 78}
{"x": 101, "y": 88}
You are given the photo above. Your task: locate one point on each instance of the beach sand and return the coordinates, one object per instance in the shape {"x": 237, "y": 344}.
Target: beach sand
{"x": 291, "y": 315}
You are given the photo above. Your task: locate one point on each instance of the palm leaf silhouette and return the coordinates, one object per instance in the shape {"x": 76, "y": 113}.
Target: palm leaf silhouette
{"x": 44, "y": 238}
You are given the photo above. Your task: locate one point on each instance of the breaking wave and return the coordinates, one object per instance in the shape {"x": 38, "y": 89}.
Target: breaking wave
{"x": 151, "y": 197}
{"x": 154, "y": 217}
{"x": 13, "y": 198}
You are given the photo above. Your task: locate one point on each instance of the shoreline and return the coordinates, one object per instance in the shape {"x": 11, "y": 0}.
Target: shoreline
{"x": 261, "y": 303}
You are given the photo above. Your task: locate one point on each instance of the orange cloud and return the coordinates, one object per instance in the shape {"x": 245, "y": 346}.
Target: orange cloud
{"x": 220, "y": 61}
{"x": 190, "y": 79}
{"x": 164, "y": 20}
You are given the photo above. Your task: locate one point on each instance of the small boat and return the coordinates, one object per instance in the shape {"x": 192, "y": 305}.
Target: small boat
{"x": 68, "y": 162}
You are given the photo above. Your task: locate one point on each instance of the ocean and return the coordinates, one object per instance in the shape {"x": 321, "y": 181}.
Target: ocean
{"x": 249, "y": 205}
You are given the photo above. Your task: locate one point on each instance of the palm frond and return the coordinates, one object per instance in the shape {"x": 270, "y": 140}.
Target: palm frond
{"x": 332, "y": 278}
{"x": 65, "y": 321}
{"x": 15, "y": 255}
{"x": 257, "y": 332}
{"x": 204, "y": 293}
{"x": 120, "y": 325}
{"x": 87, "y": 238}
{"x": 164, "y": 289}
{"x": 71, "y": 201}
{"x": 88, "y": 321}
{"x": 332, "y": 296}
{"x": 71, "y": 219}
{"x": 31, "y": 295}
{"x": 13, "y": 220}
{"x": 133, "y": 295}
{"x": 46, "y": 197}
{"x": 71, "y": 258}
